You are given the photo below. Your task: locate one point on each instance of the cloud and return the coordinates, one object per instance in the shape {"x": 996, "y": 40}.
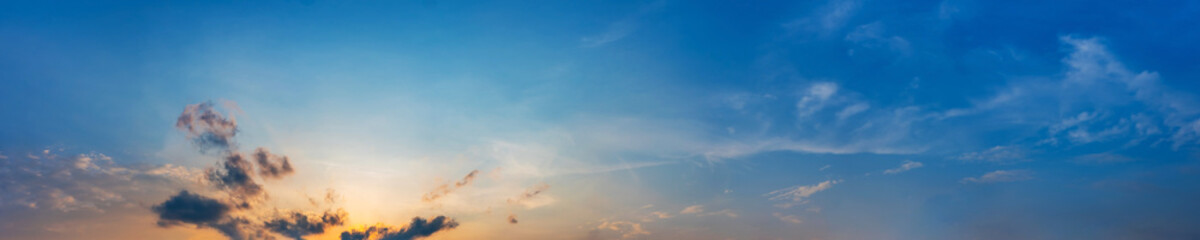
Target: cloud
{"x": 627, "y": 229}
{"x": 788, "y": 218}
{"x": 1001, "y": 176}
{"x": 661, "y": 215}
{"x": 233, "y": 174}
{"x": 1095, "y": 99}
{"x": 272, "y": 166}
{"x": 444, "y": 189}
{"x": 852, "y": 110}
{"x": 238, "y": 228}
{"x": 907, "y": 165}
{"x": 693, "y": 209}
{"x": 529, "y": 193}
{"x": 1092, "y": 66}
{"x": 191, "y": 208}
{"x": 831, "y": 145}
{"x": 90, "y": 182}
{"x": 297, "y": 224}
{"x": 834, "y": 120}
{"x": 814, "y": 98}
{"x": 1103, "y": 158}
{"x": 207, "y": 127}
{"x": 799, "y": 194}
{"x": 205, "y": 212}
{"x": 698, "y": 210}
{"x": 997, "y": 154}
{"x": 418, "y": 228}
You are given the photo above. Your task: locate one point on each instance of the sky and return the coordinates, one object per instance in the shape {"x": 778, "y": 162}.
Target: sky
{"x": 838, "y": 119}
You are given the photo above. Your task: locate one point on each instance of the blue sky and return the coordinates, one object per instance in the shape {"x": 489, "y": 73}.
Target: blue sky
{"x": 842, "y": 119}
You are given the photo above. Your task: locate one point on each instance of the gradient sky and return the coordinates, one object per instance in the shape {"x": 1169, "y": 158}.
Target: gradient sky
{"x": 840, "y": 119}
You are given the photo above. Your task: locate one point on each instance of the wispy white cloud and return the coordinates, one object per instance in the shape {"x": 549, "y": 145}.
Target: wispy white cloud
{"x": 853, "y": 110}
{"x": 830, "y": 119}
{"x": 815, "y": 98}
{"x": 999, "y": 176}
{"x": 699, "y": 210}
{"x": 1093, "y": 98}
{"x": 904, "y": 167}
{"x": 693, "y": 209}
{"x": 799, "y": 194}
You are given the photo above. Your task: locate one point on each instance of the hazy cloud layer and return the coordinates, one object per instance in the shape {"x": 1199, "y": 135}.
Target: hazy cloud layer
{"x": 83, "y": 182}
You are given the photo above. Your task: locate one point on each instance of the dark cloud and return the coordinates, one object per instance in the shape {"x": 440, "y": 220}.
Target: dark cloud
{"x": 205, "y": 212}
{"x": 530, "y": 193}
{"x": 512, "y": 219}
{"x": 191, "y": 208}
{"x": 207, "y": 127}
{"x": 238, "y": 228}
{"x": 233, "y": 174}
{"x": 448, "y": 188}
{"x": 297, "y": 225}
{"x": 272, "y": 166}
{"x": 417, "y": 229}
